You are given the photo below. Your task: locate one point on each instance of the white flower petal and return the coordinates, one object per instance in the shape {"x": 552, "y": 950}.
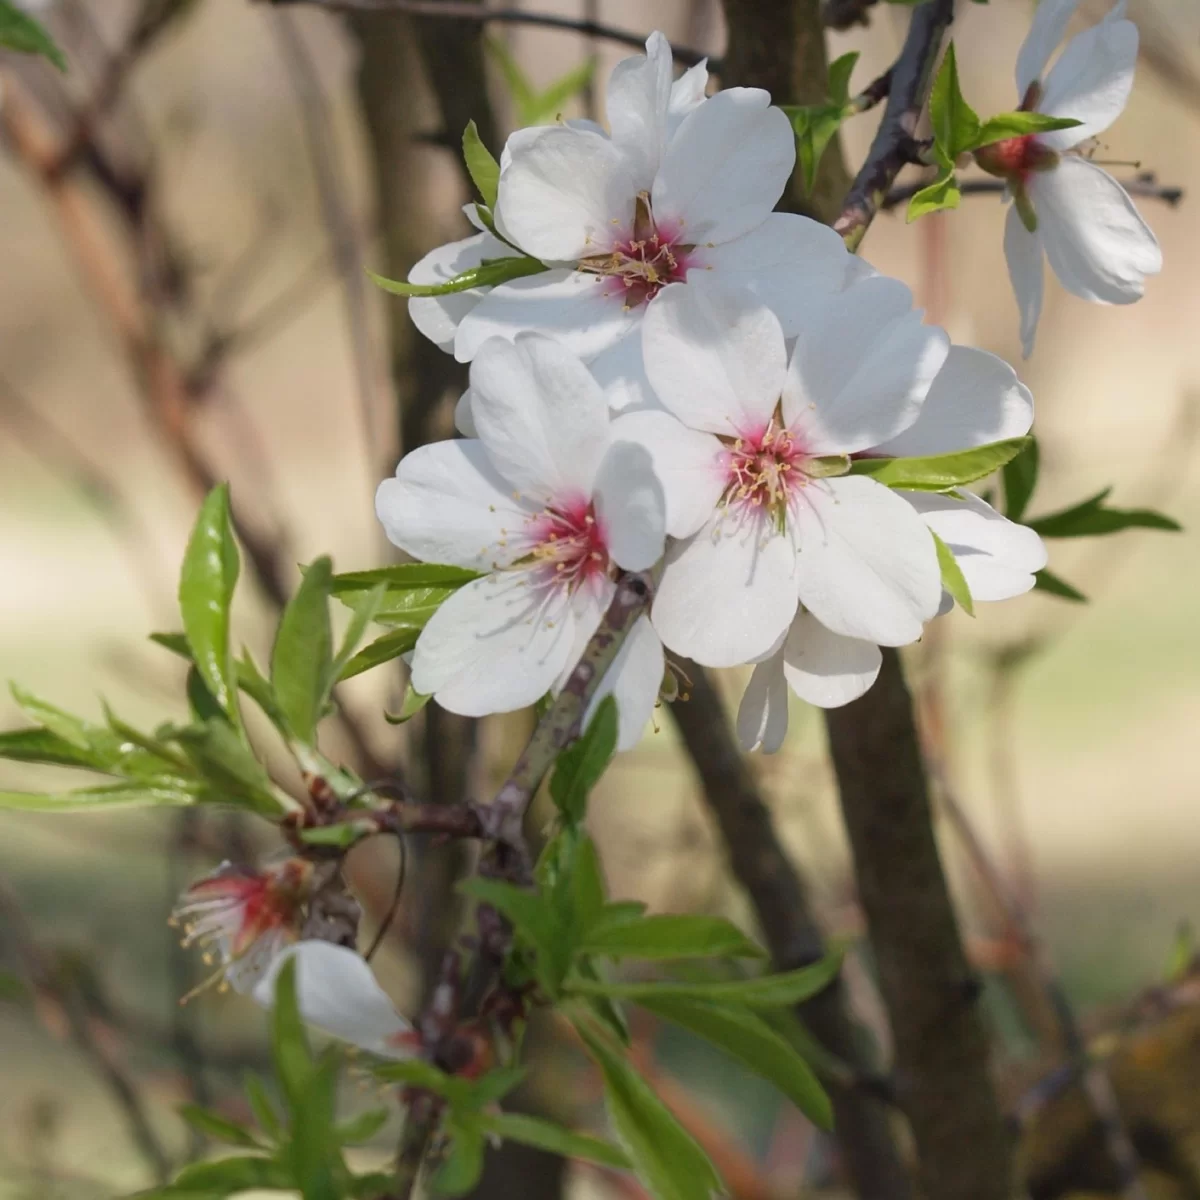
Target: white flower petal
{"x": 622, "y": 376}
{"x": 997, "y": 556}
{"x": 687, "y": 462}
{"x": 585, "y": 312}
{"x": 634, "y": 679}
{"x": 438, "y": 317}
{"x": 337, "y": 991}
{"x": 449, "y": 504}
{"x": 715, "y": 357}
{"x": 790, "y": 263}
{"x": 1091, "y": 82}
{"x": 860, "y": 373}
{"x": 1050, "y": 20}
{"x": 725, "y": 167}
{"x": 762, "y": 717}
{"x": 1096, "y": 241}
{"x": 824, "y": 668}
{"x": 496, "y": 645}
{"x": 975, "y": 399}
{"x": 727, "y": 593}
{"x": 541, "y": 417}
{"x": 867, "y": 565}
{"x": 564, "y": 193}
{"x": 1023, "y": 253}
{"x": 639, "y": 93}
{"x": 687, "y": 93}
{"x": 630, "y": 506}
{"x": 464, "y": 419}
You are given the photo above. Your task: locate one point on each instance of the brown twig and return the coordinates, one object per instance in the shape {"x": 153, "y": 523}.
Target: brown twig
{"x": 845, "y": 14}
{"x": 466, "y": 10}
{"x": 894, "y": 144}
{"x": 1144, "y": 185}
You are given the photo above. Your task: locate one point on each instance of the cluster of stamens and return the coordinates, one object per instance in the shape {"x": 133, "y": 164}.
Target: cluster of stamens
{"x": 764, "y": 471}
{"x": 569, "y": 543}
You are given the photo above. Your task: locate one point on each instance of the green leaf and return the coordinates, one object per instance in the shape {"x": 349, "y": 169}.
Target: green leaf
{"x": 219, "y": 1128}
{"x": 19, "y": 31}
{"x": 412, "y": 704}
{"x": 261, "y": 1106}
{"x": 586, "y": 882}
{"x": 1047, "y": 581}
{"x": 228, "y": 1176}
{"x": 289, "y": 1041}
{"x": 814, "y": 126}
{"x": 764, "y": 991}
{"x": 301, "y": 661}
{"x": 312, "y": 1149}
{"x": 249, "y": 678}
{"x": 382, "y": 650}
{"x": 940, "y": 472}
{"x": 415, "y": 591}
{"x": 840, "y": 71}
{"x": 534, "y": 918}
{"x": 746, "y": 1037}
{"x": 580, "y": 766}
{"x": 345, "y": 834}
{"x": 494, "y": 1086}
{"x": 372, "y": 1186}
{"x": 953, "y": 579}
{"x": 487, "y": 274}
{"x": 668, "y": 1160}
{"x": 117, "y": 795}
{"x": 545, "y": 1135}
{"x": 523, "y": 93}
{"x": 201, "y": 702}
{"x": 235, "y": 776}
{"x": 38, "y": 745}
{"x": 1092, "y": 519}
{"x": 364, "y": 613}
{"x": 1018, "y": 124}
{"x": 464, "y": 1161}
{"x": 1020, "y": 480}
{"x": 667, "y": 936}
{"x": 955, "y": 122}
{"x": 206, "y": 584}
{"x": 942, "y": 193}
{"x": 548, "y": 105}
{"x": 415, "y": 1072}
{"x": 481, "y": 165}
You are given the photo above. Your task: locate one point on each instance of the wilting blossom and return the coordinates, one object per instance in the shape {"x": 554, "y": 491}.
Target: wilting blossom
{"x": 681, "y": 185}
{"x": 1066, "y": 207}
{"x": 244, "y": 917}
{"x": 975, "y": 399}
{"x": 547, "y": 504}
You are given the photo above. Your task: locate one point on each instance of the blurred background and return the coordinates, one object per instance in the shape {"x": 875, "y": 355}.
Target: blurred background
{"x": 184, "y": 219}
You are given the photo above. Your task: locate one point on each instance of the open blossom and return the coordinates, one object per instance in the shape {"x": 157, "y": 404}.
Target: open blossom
{"x": 752, "y": 455}
{"x": 547, "y": 504}
{"x": 1064, "y": 205}
{"x": 337, "y": 992}
{"x": 681, "y": 185}
{"x": 246, "y": 917}
{"x": 975, "y": 399}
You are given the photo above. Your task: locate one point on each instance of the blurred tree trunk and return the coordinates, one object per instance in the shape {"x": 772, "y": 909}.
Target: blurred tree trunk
{"x": 400, "y": 58}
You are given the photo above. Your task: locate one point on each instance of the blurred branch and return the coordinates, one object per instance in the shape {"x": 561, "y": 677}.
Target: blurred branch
{"x": 49, "y": 985}
{"x": 466, "y": 10}
{"x": 845, "y": 14}
{"x": 1144, "y": 185}
{"x": 894, "y": 144}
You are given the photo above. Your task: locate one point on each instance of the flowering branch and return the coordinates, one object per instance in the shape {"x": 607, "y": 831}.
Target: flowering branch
{"x": 1145, "y": 184}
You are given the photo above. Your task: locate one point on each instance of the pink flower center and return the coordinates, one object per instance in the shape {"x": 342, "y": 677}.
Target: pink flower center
{"x": 569, "y": 546}
{"x": 643, "y": 261}
{"x": 764, "y": 472}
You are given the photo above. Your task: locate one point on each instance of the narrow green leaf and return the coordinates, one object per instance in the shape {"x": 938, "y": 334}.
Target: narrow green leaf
{"x": 1018, "y": 124}
{"x": 202, "y": 704}
{"x": 942, "y": 193}
{"x": 523, "y": 93}
{"x": 764, "y": 991}
{"x": 302, "y": 658}
{"x": 1092, "y": 518}
{"x": 250, "y": 679}
{"x": 117, "y": 795}
{"x": 228, "y": 1176}
{"x": 1020, "y": 480}
{"x": 412, "y": 704}
{"x": 492, "y": 1087}
{"x": 219, "y": 1128}
{"x": 668, "y": 1160}
{"x": 206, "y": 584}
{"x": 586, "y": 882}
{"x": 953, "y": 579}
{"x": 840, "y": 71}
{"x": 37, "y": 745}
{"x": 548, "y": 105}
{"x": 289, "y": 1041}
{"x": 667, "y": 936}
{"x": 382, "y": 650}
{"x": 1047, "y": 581}
{"x": 814, "y": 126}
{"x": 344, "y": 834}
{"x": 545, "y": 1135}
{"x": 580, "y": 766}
{"x": 488, "y": 274}
{"x": 463, "y": 1166}
{"x": 235, "y": 776}
{"x": 20, "y": 32}
{"x": 746, "y": 1037}
{"x": 415, "y": 1072}
{"x": 955, "y": 122}
{"x": 68, "y": 727}
{"x": 365, "y": 611}
{"x": 940, "y": 472}
{"x": 533, "y": 918}
{"x": 481, "y": 165}
{"x": 362, "y": 1128}
{"x": 315, "y": 1157}
{"x": 372, "y": 1186}
{"x": 259, "y": 1099}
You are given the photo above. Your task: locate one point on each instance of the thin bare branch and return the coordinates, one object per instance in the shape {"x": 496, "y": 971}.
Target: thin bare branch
{"x": 1144, "y": 185}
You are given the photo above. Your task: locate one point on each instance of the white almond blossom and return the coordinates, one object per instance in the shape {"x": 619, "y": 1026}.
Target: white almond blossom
{"x": 975, "y": 399}
{"x": 547, "y": 503}
{"x": 767, "y": 520}
{"x": 1065, "y": 206}
{"x": 682, "y": 184}
{"x": 337, "y": 993}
